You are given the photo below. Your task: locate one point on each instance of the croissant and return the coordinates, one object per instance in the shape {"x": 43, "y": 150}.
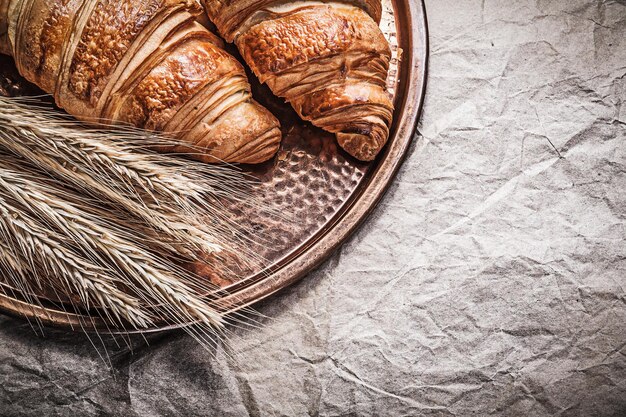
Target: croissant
{"x": 148, "y": 64}
{"x": 328, "y": 59}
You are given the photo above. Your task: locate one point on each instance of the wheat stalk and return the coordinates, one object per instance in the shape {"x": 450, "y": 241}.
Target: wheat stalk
{"x": 149, "y": 276}
{"x": 116, "y": 162}
{"x": 147, "y": 185}
{"x": 172, "y": 195}
{"x": 100, "y": 218}
{"x": 29, "y": 249}
{"x": 63, "y": 269}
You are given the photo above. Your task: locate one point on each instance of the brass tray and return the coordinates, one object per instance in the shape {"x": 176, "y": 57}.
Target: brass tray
{"x": 327, "y": 191}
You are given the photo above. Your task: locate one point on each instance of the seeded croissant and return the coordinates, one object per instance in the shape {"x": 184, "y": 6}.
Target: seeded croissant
{"x": 328, "y": 59}
{"x": 146, "y": 63}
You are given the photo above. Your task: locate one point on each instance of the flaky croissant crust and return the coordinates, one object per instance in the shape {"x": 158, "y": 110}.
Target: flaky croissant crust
{"x": 328, "y": 59}
{"x": 232, "y": 15}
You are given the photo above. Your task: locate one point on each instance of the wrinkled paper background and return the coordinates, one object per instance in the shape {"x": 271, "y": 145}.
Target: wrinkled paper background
{"x": 491, "y": 280}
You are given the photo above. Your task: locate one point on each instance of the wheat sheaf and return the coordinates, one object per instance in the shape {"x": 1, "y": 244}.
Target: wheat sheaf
{"x": 96, "y": 217}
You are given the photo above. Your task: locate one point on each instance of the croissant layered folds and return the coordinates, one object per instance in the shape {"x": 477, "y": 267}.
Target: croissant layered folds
{"x": 328, "y": 59}
{"x": 146, "y": 63}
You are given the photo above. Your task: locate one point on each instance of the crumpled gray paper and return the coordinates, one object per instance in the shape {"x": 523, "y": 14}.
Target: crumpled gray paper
{"x": 490, "y": 281}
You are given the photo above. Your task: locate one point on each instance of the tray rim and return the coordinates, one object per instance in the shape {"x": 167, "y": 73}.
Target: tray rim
{"x": 319, "y": 249}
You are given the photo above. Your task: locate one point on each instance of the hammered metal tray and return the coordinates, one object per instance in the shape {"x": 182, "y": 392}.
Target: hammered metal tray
{"x": 328, "y": 192}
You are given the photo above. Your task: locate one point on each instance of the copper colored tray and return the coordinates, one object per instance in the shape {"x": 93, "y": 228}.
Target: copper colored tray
{"x": 327, "y": 191}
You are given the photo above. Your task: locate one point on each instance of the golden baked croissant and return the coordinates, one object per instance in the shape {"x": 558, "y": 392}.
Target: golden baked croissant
{"x": 146, "y": 63}
{"x": 328, "y": 59}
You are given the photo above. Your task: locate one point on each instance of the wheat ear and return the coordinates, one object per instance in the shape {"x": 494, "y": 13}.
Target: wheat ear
{"x": 27, "y": 247}
{"x": 183, "y": 198}
{"x": 150, "y": 276}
